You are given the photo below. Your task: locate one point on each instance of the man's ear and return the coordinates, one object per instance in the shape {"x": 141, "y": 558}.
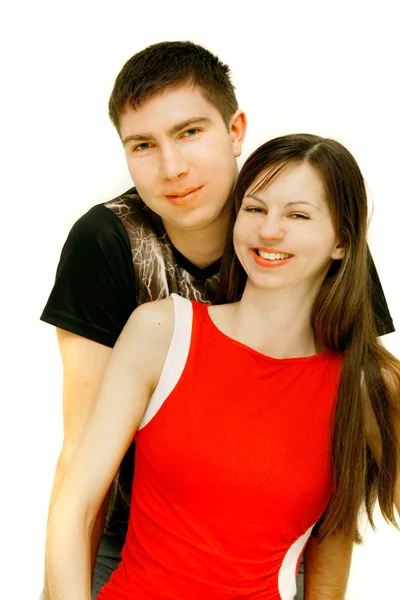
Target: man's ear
{"x": 237, "y": 129}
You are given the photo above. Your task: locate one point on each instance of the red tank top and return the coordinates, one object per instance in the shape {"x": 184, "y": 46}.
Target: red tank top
{"x": 232, "y": 469}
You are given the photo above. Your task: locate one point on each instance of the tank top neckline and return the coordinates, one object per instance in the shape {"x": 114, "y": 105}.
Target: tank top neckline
{"x": 320, "y": 356}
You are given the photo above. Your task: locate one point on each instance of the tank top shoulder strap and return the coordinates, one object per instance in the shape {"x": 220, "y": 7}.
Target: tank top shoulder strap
{"x": 176, "y": 358}
{"x": 200, "y": 309}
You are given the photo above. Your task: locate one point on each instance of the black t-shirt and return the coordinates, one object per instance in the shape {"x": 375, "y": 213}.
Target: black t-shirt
{"x": 96, "y": 290}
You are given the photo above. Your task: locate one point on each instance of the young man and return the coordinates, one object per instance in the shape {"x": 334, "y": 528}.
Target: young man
{"x": 175, "y": 110}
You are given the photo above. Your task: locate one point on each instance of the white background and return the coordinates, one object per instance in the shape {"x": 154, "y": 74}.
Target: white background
{"x": 330, "y": 68}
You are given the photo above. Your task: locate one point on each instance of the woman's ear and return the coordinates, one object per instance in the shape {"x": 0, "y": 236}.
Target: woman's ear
{"x": 338, "y": 251}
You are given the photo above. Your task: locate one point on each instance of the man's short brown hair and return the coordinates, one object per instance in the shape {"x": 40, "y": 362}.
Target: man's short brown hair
{"x": 167, "y": 64}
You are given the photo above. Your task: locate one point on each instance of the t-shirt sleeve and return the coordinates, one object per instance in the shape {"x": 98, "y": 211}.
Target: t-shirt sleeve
{"x": 94, "y": 291}
{"x": 383, "y": 318}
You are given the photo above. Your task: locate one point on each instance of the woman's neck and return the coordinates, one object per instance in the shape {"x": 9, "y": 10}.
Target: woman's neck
{"x": 276, "y": 323}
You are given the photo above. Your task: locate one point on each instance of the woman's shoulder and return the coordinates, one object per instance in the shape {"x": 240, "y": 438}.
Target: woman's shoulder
{"x": 154, "y": 319}
{"x": 144, "y": 342}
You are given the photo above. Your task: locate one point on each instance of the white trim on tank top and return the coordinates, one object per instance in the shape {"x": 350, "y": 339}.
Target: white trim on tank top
{"x": 175, "y": 361}
{"x": 287, "y": 573}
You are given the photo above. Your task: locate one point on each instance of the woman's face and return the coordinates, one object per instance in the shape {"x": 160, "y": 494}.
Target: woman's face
{"x": 284, "y": 235}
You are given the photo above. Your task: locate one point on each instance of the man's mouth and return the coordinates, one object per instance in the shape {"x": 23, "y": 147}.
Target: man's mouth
{"x": 182, "y": 193}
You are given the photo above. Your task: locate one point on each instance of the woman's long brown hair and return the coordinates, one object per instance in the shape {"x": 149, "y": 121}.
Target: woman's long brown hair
{"x": 343, "y": 321}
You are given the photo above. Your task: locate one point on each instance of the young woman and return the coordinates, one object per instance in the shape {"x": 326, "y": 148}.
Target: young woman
{"x": 254, "y": 419}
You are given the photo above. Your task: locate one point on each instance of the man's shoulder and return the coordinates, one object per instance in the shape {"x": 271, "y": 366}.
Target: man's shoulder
{"x": 124, "y": 203}
{"x": 133, "y": 212}
{"x": 113, "y": 218}
{"x": 104, "y": 212}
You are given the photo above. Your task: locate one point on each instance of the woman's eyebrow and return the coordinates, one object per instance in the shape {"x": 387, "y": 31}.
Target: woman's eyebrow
{"x": 301, "y": 202}
{"x": 286, "y": 205}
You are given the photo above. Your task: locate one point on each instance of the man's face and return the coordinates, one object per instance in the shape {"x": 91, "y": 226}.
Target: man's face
{"x": 181, "y": 156}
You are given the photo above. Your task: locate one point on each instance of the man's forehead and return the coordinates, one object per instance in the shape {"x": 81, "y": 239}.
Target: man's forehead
{"x": 176, "y": 103}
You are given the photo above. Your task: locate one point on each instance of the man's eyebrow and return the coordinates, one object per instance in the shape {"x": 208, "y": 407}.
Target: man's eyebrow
{"x": 286, "y": 205}
{"x": 179, "y": 126}
{"x": 146, "y": 137}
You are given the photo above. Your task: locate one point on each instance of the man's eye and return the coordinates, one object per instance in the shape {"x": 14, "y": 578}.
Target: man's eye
{"x": 191, "y": 132}
{"x": 141, "y": 147}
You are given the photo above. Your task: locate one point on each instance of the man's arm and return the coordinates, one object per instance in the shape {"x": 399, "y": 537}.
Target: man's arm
{"x": 84, "y": 364}
{"x": 326, "y": 567}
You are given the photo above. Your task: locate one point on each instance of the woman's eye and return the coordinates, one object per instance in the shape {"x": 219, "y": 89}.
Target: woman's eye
{"x": 253, "y": 209}
{"x": 299, "y": 216}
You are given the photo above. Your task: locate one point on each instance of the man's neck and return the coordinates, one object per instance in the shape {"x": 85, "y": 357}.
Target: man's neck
{"x": 203, "y": 246}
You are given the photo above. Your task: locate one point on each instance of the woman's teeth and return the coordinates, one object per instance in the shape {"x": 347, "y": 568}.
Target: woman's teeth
{"x": 273, "y": 255}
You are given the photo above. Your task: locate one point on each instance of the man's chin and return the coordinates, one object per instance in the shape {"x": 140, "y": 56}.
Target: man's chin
{"x": 198, "y": 220}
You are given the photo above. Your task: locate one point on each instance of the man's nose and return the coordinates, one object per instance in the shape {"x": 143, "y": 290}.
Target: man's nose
{"x": 174, "y": 163}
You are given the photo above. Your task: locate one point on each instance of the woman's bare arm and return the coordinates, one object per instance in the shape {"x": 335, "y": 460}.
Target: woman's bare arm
{"x": 131, "y": 376}
{"x": 373, "y": 435}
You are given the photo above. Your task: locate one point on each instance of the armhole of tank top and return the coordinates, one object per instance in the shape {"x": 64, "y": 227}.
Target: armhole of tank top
{"x": 176, "y": 358}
